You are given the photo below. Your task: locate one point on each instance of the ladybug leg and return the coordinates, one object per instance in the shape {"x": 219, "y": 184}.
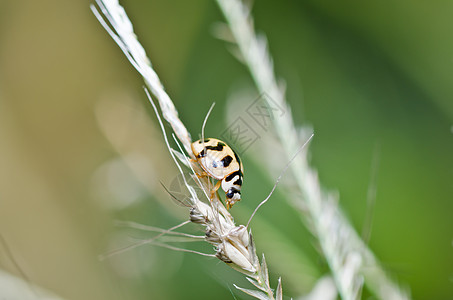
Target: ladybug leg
{"x": 230, "y": 203}
{"x": 216, "y": 187}
{"x": 202, "y": 174}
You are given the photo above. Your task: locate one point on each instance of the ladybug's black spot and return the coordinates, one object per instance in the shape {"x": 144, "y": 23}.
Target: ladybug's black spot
{"x": 205, "y": 141}
{"x": 202, "y": 153}
{"x": 219, "y": 147}
{"x": 227, "y": 161}
{"x": 238, "y": 182}
{"x": 232, "y": 175}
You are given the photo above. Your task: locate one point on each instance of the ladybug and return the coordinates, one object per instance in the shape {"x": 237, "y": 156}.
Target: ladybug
{"x": 220, "y": 162}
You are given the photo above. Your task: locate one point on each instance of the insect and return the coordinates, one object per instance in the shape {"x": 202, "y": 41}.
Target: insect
{"x": 220, "y": 162}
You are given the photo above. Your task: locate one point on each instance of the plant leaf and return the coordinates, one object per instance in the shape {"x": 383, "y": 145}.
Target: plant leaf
{"x": 264, "y": 271}
{"x": 252, "y": 251}
{"x": 253, "y": 293}
{"x": 255, "y": 283}
{"x": 279, "y": 291}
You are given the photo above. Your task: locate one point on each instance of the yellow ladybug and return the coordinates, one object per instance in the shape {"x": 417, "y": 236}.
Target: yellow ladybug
{"x": 220, "y": 162}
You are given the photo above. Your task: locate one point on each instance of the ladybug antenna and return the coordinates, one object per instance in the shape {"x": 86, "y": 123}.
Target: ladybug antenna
{"x": 206, "y": 120}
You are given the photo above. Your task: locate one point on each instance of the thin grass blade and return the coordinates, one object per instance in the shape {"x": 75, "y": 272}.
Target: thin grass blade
{"x": 253, "y": 293}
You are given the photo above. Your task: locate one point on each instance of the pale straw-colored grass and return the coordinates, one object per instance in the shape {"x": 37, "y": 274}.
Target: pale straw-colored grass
{"x": 351, "y": 262}
{"x": 234, "y": 244}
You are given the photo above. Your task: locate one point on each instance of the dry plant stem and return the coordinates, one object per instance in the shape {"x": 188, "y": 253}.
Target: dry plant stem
{"x": 124, "y": 36}
{"x": 234, "y": 244}
{"x": 350, "y": 260}
{"x": 143, "y": 242}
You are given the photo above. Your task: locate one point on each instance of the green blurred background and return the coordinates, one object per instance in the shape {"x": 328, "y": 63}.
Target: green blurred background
{"x": 79, "y": 146}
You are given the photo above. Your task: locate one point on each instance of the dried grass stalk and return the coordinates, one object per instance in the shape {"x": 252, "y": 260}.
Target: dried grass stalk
{"x": 233, "y": 243}
{"x": 351, "y": 262}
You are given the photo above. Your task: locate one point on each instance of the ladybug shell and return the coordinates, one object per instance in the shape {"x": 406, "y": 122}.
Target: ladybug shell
{"x": 216, "y": 158}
